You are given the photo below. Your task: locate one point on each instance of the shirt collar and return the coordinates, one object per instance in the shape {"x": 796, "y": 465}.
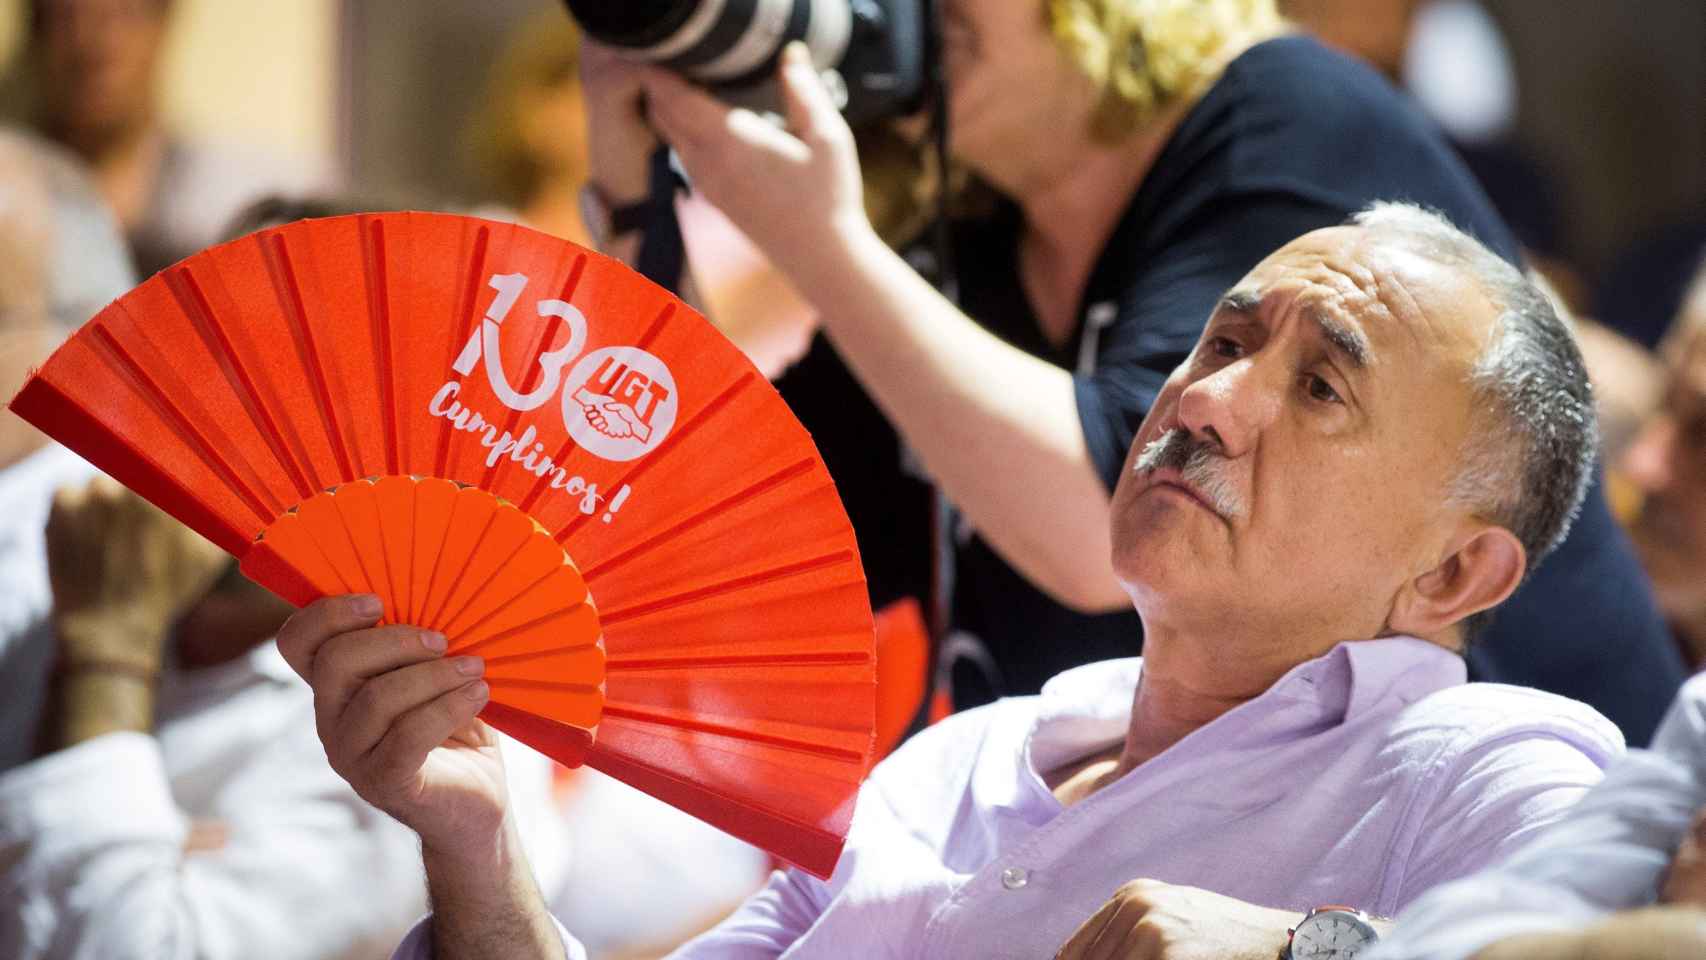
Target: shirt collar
{"x": 1089, "y": 708}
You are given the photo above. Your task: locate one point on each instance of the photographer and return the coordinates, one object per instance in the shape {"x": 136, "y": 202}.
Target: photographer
{"x": 1145, "y": 156}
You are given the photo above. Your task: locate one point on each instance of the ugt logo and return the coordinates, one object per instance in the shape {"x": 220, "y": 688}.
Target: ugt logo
{"x": 620, "y": 402}
{"x": 626, "y": 399}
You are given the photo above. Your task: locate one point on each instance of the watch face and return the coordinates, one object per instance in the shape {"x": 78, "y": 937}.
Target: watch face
{"x": 1332, "y": 935}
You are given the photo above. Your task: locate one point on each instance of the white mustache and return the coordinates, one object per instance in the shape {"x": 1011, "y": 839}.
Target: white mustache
{"x": 1200, "y": 466}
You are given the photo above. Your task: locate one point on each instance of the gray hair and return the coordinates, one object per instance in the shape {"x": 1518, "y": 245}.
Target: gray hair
{"x": 1530, "y": 458}
{"x": 85, "y": 259}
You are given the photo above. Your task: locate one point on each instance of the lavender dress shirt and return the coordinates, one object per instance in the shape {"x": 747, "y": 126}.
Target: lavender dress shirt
{"x": 1362, "y": 777}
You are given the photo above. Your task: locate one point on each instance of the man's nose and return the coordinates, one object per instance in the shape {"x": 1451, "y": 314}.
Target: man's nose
{"x": 1230, "y": 406}
{"x": 1647, "y": 462}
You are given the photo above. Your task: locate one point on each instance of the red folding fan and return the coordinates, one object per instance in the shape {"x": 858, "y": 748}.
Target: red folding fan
{"x": 530, "y": 448}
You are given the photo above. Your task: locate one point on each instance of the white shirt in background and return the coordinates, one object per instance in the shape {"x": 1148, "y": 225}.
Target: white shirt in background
{"x": 1607, "y": 853}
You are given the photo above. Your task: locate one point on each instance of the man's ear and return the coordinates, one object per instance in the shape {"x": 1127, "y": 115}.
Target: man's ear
{"x": 1484, "y": 565}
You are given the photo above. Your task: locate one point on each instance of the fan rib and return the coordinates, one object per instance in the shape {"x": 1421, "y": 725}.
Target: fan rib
{"x": 282, "y": 273}
{"x": 728, "y": 586}
{"x": 517, "y": 683}
{"x": 458, "y": 326}
{"x": 569, "y": 447}
{"x": 186, "y": 289}
{"x": 744, "y": 495}
{"x": 336, "y": 571}
{"x": 450, "y": 618}
{"x": 372, "y": 585}
{"x": 395, "y": 596}
{"x": 510, "y": 658}
{"x": 723, "y": 730}
{"x": 151, "y": 391}
{"x": 379, "y": 317}
{"x": 499, "y": 608}
{"x": 534, "y": 370}
{"x": 519, "y": 629}
{"x": 675, "y": 439}
{"x": 450, "y": 589}
{"x": 851, "y": 658}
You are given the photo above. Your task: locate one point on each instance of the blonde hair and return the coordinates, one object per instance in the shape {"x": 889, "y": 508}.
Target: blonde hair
{"x": 1145, "y": 55}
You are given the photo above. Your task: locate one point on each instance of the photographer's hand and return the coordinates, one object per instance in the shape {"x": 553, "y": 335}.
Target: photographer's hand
{"x": 796, "y": 192}
{"x": 620, "y": 141}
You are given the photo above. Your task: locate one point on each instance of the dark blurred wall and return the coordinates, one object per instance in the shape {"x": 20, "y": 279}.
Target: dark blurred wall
{"x": 414, "y": 74}
{"x": 1613, "y": 96}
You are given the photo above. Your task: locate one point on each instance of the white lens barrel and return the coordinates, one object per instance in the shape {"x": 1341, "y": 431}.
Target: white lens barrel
{"x": 829, "y": 30}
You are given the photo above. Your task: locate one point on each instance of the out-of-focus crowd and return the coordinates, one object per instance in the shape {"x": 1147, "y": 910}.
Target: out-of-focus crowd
{"x": 164, "y": 786}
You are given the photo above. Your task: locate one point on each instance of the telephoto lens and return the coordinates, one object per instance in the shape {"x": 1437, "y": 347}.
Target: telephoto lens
{"x": 873, "y": 53}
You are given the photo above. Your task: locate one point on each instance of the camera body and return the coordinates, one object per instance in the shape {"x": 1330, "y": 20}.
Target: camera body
{"x": 874, "y": 54}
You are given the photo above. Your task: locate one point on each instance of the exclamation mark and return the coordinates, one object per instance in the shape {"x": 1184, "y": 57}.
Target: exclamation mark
{"x": 616, "y": 503}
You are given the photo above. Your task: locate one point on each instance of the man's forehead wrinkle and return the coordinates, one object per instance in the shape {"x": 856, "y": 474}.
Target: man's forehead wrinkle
{"x": 1349, "y": 340}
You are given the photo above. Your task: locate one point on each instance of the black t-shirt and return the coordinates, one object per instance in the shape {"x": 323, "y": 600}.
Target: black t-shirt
{"x": 1292, "y": 137}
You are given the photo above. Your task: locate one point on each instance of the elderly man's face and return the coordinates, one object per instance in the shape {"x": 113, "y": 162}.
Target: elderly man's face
{"x": 1327, "y": 403}
{"x": 1668, "y": 462}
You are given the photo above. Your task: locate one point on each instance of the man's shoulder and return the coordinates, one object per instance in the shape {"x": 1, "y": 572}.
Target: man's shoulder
{"x": 1472, "y": 716}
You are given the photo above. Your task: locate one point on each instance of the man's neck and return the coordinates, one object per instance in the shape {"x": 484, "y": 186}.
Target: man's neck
{"x": 1193, "y": 675}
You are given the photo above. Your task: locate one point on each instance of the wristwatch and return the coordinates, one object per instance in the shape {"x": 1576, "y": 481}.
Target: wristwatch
{"x": 1331, "y": 932}
{"x": 605, "y": 223}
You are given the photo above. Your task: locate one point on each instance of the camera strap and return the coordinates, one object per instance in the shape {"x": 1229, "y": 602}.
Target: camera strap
{"x": 663, "y": 252}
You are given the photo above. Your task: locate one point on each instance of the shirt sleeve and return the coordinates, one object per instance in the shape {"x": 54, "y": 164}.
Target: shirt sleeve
{"x": 1604, "y": 854}
{"x": 1162, "y": 314}
{"x": 93, "y": 844}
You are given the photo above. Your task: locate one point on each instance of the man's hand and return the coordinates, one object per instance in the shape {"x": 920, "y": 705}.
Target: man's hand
{"x": 1653, "y": 933}
{"x": 1685, "y": 881}
{"x": 1151, "y": 920}
{"x": 792, "y": 191}
{"x": 122, "y": 572}
{"x": 397, "y": 719}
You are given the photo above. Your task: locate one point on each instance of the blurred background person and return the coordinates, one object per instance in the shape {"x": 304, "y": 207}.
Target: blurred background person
{"x": 1666, "y": 464}
{"x": 60, "y": 260}
{"x": 94, "y": 69}
{"x": 1141, "y": 157}
{"x": 162, "y": 793}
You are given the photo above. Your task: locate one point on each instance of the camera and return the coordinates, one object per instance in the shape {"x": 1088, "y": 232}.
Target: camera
{"x": 874, "y": 54}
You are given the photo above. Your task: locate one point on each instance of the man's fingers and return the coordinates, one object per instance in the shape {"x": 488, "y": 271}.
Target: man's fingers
{"x": 379, "y": 703}
{"x": 349, "y": 660}
{"x": 302, "y": 636}
{"x": 415, "y": 733}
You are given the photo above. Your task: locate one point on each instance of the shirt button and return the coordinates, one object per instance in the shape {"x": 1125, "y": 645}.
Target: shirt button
{"x": 1015, "y": 878}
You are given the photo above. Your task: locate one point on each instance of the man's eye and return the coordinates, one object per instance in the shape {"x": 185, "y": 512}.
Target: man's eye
{"x": 1321, "y": 390}
{"x": 1225, "y": 348}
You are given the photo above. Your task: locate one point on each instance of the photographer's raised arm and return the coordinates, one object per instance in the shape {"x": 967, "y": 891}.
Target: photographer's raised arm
{"x": 998, "y": 428}
{"x": 399, "y": 721}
